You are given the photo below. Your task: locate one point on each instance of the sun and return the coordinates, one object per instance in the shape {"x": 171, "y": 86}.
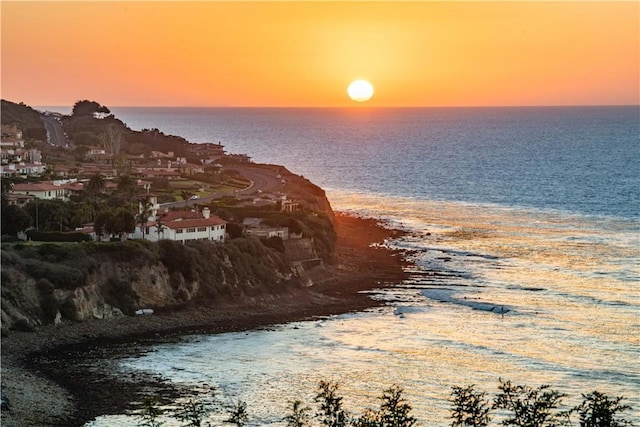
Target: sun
{"x": 360, "y": 90}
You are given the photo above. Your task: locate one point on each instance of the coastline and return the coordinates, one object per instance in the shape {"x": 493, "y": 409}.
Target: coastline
{"x": 46, "y": 385}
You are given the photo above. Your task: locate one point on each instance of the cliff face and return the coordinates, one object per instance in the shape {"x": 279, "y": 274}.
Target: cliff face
{"x": 75, "y": 282}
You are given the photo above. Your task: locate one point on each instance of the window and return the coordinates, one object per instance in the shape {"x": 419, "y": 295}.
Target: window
{"x": 222, "y": 227}
{"x": 191, "y": 230}
{"x": 202, "y": 228}
{"x": 179, "y": 230}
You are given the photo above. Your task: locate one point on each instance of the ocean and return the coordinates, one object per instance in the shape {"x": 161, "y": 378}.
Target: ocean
{"x": 531, "y": 216}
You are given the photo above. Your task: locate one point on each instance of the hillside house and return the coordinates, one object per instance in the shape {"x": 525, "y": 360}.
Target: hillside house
{"x": 183, "y": 226}
{"x": 41, "y": 190}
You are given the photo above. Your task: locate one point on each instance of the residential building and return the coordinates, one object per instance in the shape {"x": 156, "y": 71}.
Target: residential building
{"x": 183, "y": 226}
{"x": 41, "y": 190}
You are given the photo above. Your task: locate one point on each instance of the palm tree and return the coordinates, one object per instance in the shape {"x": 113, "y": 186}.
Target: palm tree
{"x": 96, "y": 184}
{"x": 144, "y": 214}
{"x": 159, "y": 228}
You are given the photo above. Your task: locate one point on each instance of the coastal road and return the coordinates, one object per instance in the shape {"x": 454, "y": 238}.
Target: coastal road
{"x": 263, "y": 181}
{"x": 55, "y": 133}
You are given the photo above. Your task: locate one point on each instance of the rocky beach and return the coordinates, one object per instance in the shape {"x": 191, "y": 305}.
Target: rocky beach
{"x": 64, "y": 374}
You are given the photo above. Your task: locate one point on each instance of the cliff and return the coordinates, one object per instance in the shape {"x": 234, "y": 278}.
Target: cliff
{"x": 51, "y": 283}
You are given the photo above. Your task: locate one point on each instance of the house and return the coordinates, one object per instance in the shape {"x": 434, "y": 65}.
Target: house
{"x": 155, "y": 174}
{"x": 183, "y": 226}
{"x": 40, "y": 190}
{"x": 11, "y": 137}
{"x": 190, "y": 168}
{"x": 254, "y": 227}
{"x": 59, "y": 189}
{"x": 238, "y": 158}
{"x": 22, "y": 169}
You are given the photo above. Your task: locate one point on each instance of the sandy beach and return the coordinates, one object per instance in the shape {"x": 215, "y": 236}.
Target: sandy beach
{"x": 61, "y": 375}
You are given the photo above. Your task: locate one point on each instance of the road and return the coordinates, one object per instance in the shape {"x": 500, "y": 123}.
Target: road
{"x": 262, "y": 181}
{"x": 55, "y": 133}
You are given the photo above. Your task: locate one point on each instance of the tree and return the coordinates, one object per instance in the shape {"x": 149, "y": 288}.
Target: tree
{"x": 89, "y": 108}
{"x": 118, "y": 222}
{"x": 186, "y": 195}
{"x": 126, "y": 187}
{"x": 81, "y": 213}
{"x": 300, "y": 416}
{"x": 96, "y": 185}
{"x": 144, "y": 214}
{"x": 238, "y": 414}
{"x": 49, "y": 215}
{"x": 470, "y": 408}
{"x": 531, "y": 407}
{"x": 122, "y": 222}
{"x": 394, "y": 410}
{"x": 100, "y": 223}
{"x": 149, "y": 413}
{"x": 159, "y": 228}
{"x": 598, "y": 410}
{"x": 112, "y": 140}
{"x": 14, "y": 219}
{"x": 331, "y": 412}
{"x": 192, "y": 412}
{"x": 6, "y": 187}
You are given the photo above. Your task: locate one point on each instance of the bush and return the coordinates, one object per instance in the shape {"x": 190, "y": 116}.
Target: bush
{"x": 59, "y": 275}
{"x": 23, "y": 325}
{"x": 273, "y": 242}
{"x": 598, "y": 410}
{"x": 49, "y": 305}
{"x": 530, "y": 407}
{"x": 470, "y": 408}
{"x": 56, "y": 236}
{"x": 68, "y": 310}
{"x": 118, "y": 293}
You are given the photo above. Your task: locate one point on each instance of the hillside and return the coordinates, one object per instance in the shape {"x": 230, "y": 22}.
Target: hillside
{"x": 25, "y": 118}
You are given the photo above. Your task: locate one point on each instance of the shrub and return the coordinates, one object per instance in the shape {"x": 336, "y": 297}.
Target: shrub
{"x": 49, "y": 305}
{"x": 68, "y": 310}
{"x": 23, "y": 325}
{"x": 300, "y": 415}
{"x": 118, "y": 293}
{"x": 531, "y": 407}
{"x": 59, "y": 275}
{"x": 470, "y": 408}
{"x": 331, "y": 412}
{"x": 598, "y": 410}
{"x": 394, "y": 410}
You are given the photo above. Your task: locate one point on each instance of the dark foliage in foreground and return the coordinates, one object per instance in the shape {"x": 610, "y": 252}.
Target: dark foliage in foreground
{"x": 520, "y": 406}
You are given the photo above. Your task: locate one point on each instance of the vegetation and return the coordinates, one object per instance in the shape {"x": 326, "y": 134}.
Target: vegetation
{"x": 599, "y": 410}
{"x": 470, "y": 408}
{"x": 199, "y": 272}
{"x": 25, "y": 118}
{"x": 526, "y": 406}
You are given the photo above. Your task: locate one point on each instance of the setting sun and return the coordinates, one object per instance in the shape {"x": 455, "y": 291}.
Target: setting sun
{"x": 360, "y": 90}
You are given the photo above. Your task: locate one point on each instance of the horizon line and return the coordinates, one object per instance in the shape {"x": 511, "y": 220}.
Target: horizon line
{"x": 354, "y": 107}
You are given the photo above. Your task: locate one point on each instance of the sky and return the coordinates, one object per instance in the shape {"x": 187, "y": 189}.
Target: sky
{"x": 305, "y": 54}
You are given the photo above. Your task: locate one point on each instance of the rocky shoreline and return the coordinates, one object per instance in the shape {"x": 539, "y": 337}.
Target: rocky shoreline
{"x": 49, "y": 376}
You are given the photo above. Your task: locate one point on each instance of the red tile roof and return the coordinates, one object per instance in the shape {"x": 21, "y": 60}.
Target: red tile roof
{"x": 35, "y": 186}
{"x": 187, "y": 219}
{"x": 200, "y": 222}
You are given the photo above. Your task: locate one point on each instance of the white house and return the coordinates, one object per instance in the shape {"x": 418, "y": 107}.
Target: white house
{"x": 41, "y": 190}
{"x": 183, "y": 226}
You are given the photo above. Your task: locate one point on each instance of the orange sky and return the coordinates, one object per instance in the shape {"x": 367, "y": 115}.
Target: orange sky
{"x": 306, "y": 53}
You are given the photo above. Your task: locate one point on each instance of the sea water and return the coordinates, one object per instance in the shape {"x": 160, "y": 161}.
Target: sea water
{"x": 523, "y": 224}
